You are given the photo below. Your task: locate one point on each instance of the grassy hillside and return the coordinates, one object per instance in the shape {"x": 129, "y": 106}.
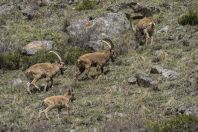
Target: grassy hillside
{"x": 109, "y": 104}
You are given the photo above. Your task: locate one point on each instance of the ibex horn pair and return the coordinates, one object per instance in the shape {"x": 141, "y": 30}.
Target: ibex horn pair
{"x": 108, "y": 42}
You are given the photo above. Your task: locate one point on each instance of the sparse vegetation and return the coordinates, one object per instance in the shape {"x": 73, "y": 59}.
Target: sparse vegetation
{"x": 15, "y": 60}
{"x": 72, "y": 55}
{"x": 10, "y": 60}
{"x": 180, "y": 123}
{"x": 109, "y": 103}
{"x": 86, "y": 5}
{"x": 191, "y": 18}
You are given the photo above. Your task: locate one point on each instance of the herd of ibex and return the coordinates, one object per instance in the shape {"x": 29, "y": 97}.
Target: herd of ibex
{"x": 34, "y": 73}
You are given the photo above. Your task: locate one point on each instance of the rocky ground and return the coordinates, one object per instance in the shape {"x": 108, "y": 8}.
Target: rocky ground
{"x": 149, "y": 88}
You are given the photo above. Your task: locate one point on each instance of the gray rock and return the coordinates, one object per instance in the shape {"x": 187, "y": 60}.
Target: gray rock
{"x": 16, "y": 82}
{"x": 30, "y": 12}
{"x": 109, "y": 116}
{"x": 169, "y": 111}
{"x": 121, "y": 114}
{"x": 43, "y": 2}
{"x": 132, "y": 80}
{"x": 133, "y": 8}
{"x": 109, "y": 25}
{"x": 156, "y": 70}
{"x": 33, "y": 47}
{"x": 164, "y": 29}
{"x": 170, "y": 74}
{"x": 146, "y": 81}
{"x": 72, "y": 130}
{"x": 181, "y": 28}
{"x": 72, "y": 1}
{"x": 121, "y": 6}
{"x": 5, "y": 8}
{"x": 4, "y": 127}
{"x": 192, "y": 110}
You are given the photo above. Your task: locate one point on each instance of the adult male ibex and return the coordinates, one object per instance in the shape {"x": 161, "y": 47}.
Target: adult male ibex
{"x": 60, "y": 101}
{"x": 145, "y": 27}
{"x": 96, "y": 59}
{"x": 43, "y": 70}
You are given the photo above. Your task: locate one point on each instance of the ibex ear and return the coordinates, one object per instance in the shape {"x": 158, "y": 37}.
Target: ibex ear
{"x": 69, "y": 92}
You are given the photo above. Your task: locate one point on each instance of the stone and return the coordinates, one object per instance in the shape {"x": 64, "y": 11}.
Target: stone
{"x": 121, "y": 6}
{"x": 88, "y": 32}
{"x": 43, "y": 2}
{"x": 30, "y": 12}
{"x": 132, "y": 8}
{"x": 156, "y": 70}
{"x": 5, "y": 8}
{"x": 33, "y": 47}
{"x": 16, "y": 82}
{"x": 191, "y": 110}
{"x": 170, "y": 74}
{"x": 132, "y": 80}
{"x": 145, "y": 81}
{"x": 169, "y": 111}
{"x": 164, "y": 29}
{"x": 121, "y": 114}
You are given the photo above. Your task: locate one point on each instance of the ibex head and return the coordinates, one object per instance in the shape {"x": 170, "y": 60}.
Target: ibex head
{"x": 61, "y": 63}
{"x": 70, "y": 94}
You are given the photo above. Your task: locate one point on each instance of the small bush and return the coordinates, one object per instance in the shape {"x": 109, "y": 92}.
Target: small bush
{"x": 190, "y": 18}
{"x": 65, "y": 25}
{"x": 10, "y": 60}
{"x": 39, "y": 57}
{"x": 86, "y": 5}
{"x": 72, "y": 55}
{"x": 15, "y": 60}
{"x": 174, "y": 124}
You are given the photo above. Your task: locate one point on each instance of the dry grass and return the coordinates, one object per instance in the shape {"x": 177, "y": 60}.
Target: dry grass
{"x": 109, "y": 104}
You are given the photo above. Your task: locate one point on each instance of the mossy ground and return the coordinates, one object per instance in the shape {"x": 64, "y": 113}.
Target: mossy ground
{"x": 110, "y": 103}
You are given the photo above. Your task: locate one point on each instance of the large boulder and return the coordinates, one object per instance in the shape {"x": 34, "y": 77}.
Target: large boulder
{"x": 89, "y": 31}
{"x": 33, "y": 47}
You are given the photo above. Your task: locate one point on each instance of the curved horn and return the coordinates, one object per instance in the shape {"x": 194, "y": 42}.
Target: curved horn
{"x": 108, "y": 42}
{"x": 56, "y": 55}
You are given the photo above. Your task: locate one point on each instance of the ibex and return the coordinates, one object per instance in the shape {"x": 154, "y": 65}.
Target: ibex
{"x": 145, "y": 27}
{"x": 43, "y": 70}
{"x": 96, "y": 59}
{"x": 59, "y": 102}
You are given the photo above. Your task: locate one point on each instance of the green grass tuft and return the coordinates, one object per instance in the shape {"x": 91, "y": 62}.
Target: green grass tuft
{"x": 178, "y": 123}
{"x": 191, "y": 18}
{"x": 86, "y": 5}
{"x": 72, "y": 55}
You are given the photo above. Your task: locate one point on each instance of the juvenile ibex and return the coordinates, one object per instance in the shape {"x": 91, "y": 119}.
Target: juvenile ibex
{"x": 59, "y": 102}
{"x": 145, "y": 27}
{"x": 43, "y": 70}
{"x": 95, "y": 59}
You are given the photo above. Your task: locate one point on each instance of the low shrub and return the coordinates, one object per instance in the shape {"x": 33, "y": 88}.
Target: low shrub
{"x": 65, "y": 25}
{"x": 39, "y": 57}
{"x": 72, "y": 55}
{"x": 191, "y": 18}
{"x": 15, "y": 60}
{"x": 179, "y": 123}
{"x": 10, "y": 60}
{"x": 86, "y": 5}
